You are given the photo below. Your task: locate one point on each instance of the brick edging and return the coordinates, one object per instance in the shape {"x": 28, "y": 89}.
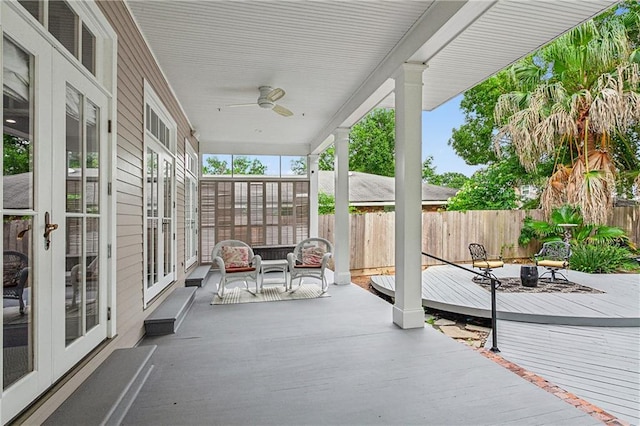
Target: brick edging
{"x": 544, "y": 384}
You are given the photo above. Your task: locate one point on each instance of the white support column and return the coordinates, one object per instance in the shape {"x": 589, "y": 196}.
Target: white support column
{"x": 312, "y": 166}
{"x": 407, "y": 310}
{"x": 342, "y": 249}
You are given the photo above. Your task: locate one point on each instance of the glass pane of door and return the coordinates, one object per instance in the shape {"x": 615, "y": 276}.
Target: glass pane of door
{"x": 17, "y": 183}
{"x": 167, "y": 216}
{"x": 152, "y": 217}
{"x": 83, "y": 207}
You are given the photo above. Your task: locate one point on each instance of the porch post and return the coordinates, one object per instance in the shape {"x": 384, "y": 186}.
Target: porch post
{"x": 407, "y": 311}
{"x": 342, "y": 250}
{"x": 312, "y": 162}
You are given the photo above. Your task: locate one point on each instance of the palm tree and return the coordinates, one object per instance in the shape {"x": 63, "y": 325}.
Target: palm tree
{"x": 575, "y": 98}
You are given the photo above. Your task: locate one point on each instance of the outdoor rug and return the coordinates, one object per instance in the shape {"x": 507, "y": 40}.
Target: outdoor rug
{"x": 269, "y": 294}
{"x": 545, "y": 285}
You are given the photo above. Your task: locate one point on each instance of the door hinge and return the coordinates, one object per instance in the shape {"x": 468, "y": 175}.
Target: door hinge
{"x": 108, "y": 126}
{"x": 108, "y": 251}
{"x": 109, "y": 188}
{"x": 108, "y": 313}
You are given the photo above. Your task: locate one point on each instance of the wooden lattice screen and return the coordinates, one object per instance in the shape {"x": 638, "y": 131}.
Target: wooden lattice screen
{"x": 258, "y": 212}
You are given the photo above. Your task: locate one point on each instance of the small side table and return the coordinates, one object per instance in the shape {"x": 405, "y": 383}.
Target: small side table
{"x": 279, "y": 265}
{"x": 529, "y": 276}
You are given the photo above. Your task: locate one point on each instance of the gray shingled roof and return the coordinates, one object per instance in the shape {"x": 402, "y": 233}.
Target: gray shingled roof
{"x": 16, "y": 191}
{"x": 368, "y": 189}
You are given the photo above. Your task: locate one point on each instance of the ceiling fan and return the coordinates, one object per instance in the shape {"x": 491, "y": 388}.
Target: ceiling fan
{"x": 267, "y": 100}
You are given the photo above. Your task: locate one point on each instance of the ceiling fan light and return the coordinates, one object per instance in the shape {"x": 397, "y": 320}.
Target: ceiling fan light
{"x": 265, "y": 103}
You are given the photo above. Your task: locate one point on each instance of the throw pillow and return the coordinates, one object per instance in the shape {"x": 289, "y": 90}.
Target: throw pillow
{"x": 312, "y": 255}
{"x": 235, "y": 257}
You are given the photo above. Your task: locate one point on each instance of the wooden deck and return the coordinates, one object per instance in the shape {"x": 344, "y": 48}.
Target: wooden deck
{"x": 336, "y": 360}
{"x": 450, "y": 289}
{"x": 599, "y": 364}
{"x": 597, "y": 360}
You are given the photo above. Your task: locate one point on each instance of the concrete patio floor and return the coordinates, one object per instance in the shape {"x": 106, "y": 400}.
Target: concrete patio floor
{"x": 335, "y": 360}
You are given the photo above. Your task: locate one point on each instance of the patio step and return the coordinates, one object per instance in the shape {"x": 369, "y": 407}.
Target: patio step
{"x": 167, "y": 317}
{"x": 197, "y": 276}
{"x": 107, "y": 394}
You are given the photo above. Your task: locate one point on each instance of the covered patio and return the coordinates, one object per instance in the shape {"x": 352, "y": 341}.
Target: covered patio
{"x": 334, "y": 360}
{"x": 327, "y": 65}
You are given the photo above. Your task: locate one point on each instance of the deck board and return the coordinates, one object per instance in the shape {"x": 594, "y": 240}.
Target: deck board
{"x": 599, "y": 364}
{"x": 334, "y": 360}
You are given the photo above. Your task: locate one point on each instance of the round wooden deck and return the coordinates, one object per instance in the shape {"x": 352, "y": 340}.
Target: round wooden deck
{"x": 451, "y": 289}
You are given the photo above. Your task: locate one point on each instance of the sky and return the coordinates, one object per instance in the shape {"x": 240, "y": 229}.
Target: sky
{"x": 436, "y": 132}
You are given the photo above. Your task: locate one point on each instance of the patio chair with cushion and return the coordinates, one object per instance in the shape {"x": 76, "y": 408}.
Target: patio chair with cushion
{"x": 554, "y": 256}
{"x": 309, "y": 259}
{"x": 14, "y": 276}
{"x": 236, "y": 262}
{"x": 481, "y": 260}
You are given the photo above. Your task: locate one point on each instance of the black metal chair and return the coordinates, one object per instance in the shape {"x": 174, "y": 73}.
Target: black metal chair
{"x": 481, "y": 261}
{"x": 554, "y": 256}
{"x": 15, "y": 273}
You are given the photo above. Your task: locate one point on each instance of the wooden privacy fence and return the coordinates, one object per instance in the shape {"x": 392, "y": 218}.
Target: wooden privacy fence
{"x": 448, "y": 234}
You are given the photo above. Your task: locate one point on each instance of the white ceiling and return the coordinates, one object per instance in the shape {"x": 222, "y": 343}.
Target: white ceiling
{"x": 334, "y": 59}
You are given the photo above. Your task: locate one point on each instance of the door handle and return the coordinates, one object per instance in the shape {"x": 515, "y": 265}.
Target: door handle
{"x": 48, "y": 227}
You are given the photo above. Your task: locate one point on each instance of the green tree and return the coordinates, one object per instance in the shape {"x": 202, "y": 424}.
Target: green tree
{"x": 574, "y": 99}
{"x": 326, "y": 203}
{"x": 299, "y": 166}
{"x": 453, "y": 180}
{"x": 429, "y": 174}
{"x": 371, "y": 145}
{"x": 473, "y": 140}
{"x": 492, "y": 188}
{"x": 244, "y": 166}
{"x": 325, "y": 161}
{"x": 448, "y": 179}
{"x": 16, "y": 155}
{"x": 214, "y": 167}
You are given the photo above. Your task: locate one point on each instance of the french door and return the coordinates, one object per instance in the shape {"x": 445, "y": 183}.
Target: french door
{"x": 160, "y": 232}
{"x": 54, "y": 211}
{"x": 79, "y": 201}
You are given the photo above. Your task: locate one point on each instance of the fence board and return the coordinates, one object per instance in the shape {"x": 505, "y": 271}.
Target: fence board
{"x": 448, "y": 234}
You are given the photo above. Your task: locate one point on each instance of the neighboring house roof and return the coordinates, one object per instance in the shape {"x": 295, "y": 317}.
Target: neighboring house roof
{"x": 368, "y": 190}
{"x": 16, "y": 191}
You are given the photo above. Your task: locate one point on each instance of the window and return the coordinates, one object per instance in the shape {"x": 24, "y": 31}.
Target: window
{"x": 67, "y": 27}
{"x": 88, "y": 49}
{"x": 257, "y": 211}
{"x": 160, "y": 213}
{"x": 62, "y": 25}
{"x": 191, "y": 206}
{"x": 253, "y": 165}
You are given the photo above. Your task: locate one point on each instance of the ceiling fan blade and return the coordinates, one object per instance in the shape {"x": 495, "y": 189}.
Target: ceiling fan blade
{"x": 282, "y": 111}
{"x": 275, "y": 94}
{"x": 242, "y": 105}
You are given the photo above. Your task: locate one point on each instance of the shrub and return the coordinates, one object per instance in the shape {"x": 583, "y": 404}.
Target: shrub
{"x": 601, "y": 258}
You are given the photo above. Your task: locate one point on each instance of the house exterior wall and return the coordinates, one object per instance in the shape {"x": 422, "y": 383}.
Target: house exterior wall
{"x": 135, "y": 64}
